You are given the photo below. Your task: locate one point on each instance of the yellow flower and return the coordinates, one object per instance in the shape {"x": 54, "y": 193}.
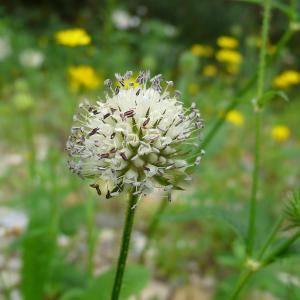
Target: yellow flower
{"x": 84, "y": 76}
{"x": 202, "y": 50}
{"x": 129, "y": 83}
{"x": 280, "y": 133}
{"x": 229, "y": 56}
{"x": 73, "y": 37}
{"x": 227, "y": 42}
{"x": 286, "y": 79}
{"x": 235, "y": 117}
{"x": 193, "y": 88}
{"x": 210, "y": 70}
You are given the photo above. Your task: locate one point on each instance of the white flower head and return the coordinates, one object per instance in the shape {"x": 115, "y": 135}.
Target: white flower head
{"x": 31, "y": 58}
{"x": 134, "y": 138}
{"x": 123, "y": 20}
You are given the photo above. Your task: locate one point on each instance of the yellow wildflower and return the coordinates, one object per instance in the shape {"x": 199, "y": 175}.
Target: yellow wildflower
{"x": 129, "y": 83}
{"x": 210, "y": 70}
{"x": 73, "y": 37}
{"x": 193, "y": 88}
{"x": 202, "y": 50}
{"x": 280, "y": 133}
{"x": 84, "y": 76}
{"x": 235, "y": 117}
{"x": 229, "y": 56}
{"x": 286, "y": 79}
{"x": 227, "y": 42}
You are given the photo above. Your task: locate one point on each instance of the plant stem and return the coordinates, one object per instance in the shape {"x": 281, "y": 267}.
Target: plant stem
{"x": 241, "y": 282}
{"x": 283, "y": 246}
{"x": 124, "y": 247}
{"x": 153, "y": 227}
{"x": 260, "y": 90}
{"x": 270, "y": 238}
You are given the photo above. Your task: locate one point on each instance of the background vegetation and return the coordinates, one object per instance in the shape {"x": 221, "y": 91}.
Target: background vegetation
{"x": 58, "y": 239}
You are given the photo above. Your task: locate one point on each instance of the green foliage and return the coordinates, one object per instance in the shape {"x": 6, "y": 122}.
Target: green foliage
{"x": 292, "y": 210}
{"x": 38, "y": 247}
{"x": 135, "y": 279}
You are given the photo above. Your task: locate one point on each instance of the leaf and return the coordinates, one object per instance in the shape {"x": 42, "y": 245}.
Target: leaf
{"x": 38, "y": 244}
{"x": 268, "y": 96}
{"x": 135, "y": 279}
{"x": 275, "y": 4}
{"x": 229, "y": 218}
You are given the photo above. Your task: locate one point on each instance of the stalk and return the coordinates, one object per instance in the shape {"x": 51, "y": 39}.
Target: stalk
{"x": 124, "y": 247}
{"x": 260, "y": 90}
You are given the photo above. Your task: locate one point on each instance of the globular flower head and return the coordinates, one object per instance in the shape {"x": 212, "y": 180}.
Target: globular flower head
{"x": 134, "y": 138}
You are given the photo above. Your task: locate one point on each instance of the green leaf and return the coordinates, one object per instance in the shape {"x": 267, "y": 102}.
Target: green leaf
{"x": 276, "y": 4}
{"x": 268, "y": 96}
{"x": 135, "y": 279}
{"x": 229, "y": 218}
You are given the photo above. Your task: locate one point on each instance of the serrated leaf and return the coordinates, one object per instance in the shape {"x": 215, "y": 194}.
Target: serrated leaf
{"x": 135, "y": 279}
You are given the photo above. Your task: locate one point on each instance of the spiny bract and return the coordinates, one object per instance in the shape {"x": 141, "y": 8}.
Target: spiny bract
{"x": 133, "y": 138}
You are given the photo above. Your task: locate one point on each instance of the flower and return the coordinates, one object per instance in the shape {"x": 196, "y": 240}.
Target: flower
{"x": 229, "y": 56}
{"x": 84, "y": 76}
{"x": 31, "y": 58}
{"x": 227, "y": 42}
{"x": 235, "y": 117}
{"x": 73, "y": 37}
{"x": 133, "y": 138}
{"x": 210, "y": 70}
{"x": 280, "y": 133}
{"x": 123, "y": 20}
{"x": 286, "y": 79}
{"x": 202, "y": 50}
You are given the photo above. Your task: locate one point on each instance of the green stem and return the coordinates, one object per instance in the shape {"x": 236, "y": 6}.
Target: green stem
{"x": 247, "y": 274}
{"x": 244, "y": 277}
{"x": 260, "y": 89}
{"x": 270, "y": 238}
{"x": 124, "y": 247}
{"x": 152, "y": 228}
{"x": 281, "y": 248}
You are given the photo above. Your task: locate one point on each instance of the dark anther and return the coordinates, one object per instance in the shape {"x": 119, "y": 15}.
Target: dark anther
{"x": 96, "y": 186}
{"x": 123, "y": 155}
{"x": 106, "y": 115}
{"x": 146, "y": 122}
{"x": 117, "y": 90}
{"x": 112, "y": 135}
{"x": 113, "y": 150}
{"x": 94, "y": 131}
{"x": 104, "y": 155}
{"x": 129, "y": 113}
{"x": 138, "y": 92}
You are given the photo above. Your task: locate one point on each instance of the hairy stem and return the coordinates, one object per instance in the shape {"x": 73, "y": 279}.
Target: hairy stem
{"x": 124, "y": 247}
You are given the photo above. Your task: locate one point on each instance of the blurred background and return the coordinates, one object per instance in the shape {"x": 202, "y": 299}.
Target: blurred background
{"x": 58, "y": 239}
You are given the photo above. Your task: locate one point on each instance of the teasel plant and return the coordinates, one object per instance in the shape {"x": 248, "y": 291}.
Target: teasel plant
{"x": 134, "y": 142}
